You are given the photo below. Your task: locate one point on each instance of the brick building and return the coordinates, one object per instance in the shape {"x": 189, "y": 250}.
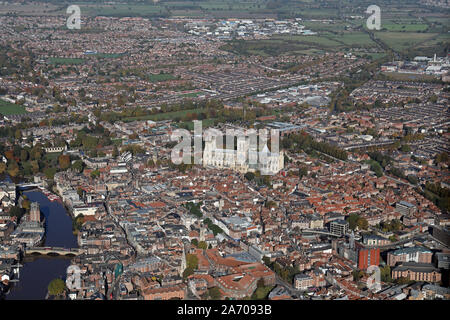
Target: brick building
{"x": 237, "y": 285}
{"x": 417, "y": 272}
{"x": 415, "y": 254}
{"x": 367, "y": 256}
{"x": 165, "y": 293}
{"x": 303, "y": 281}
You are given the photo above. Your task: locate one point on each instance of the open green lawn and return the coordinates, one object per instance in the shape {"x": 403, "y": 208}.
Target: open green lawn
{"x": 108, "y": 55}
{"x": 52, "y": 156}
{"x": 7, "y": 108}
{"x": 164, "y": 116}
{"x": 70, "y": 61}
{"x": 161, "y": 77}
{"x": 191, "y": 94}
{"x": 189, "y": 125}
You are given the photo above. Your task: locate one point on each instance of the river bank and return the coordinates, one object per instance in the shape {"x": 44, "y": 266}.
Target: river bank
{"x": 38, "y": 271}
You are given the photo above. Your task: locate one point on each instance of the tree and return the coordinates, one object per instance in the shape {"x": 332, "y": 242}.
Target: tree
{"x": 385, "y": 274}
{"x": 77, "y": 223}
{"x": 13, "y": 169}
{"x": 357, "y": 274}
{"x": 191, "y": 261}
{"x": 34, "y": 166}
{"x": 413, "y": 179}
{"x": 36, "y": 152}
{"x": 17, "y": 134}
{"x": 26, "y": 204}
{"x": 405, "y": 148}
{"x": 194, "y": 242}
{"x": 78, "y": 165}
{"x": 115, "y": 152}
{"x": 2, "y": 167}
{"x": 249, "y": 176}
{"x": 302, "y": 172}
{"x": 214, "y": 293}
{"x": 23, "y": 155}
{"x": 9, "y": 155}
{"x": 80, "y": 192}
{"x": 95, "y": 174}
{"x": 202, "y": 245}
{"x": 376, "y": 167}
{"x": 267, "y": 261}
{"x": 187, "y": 272}
{"x": 442, "y": 157}
{"x": 362, "y": 224}
{"x": 64, "y": 161}
{"x": 56, "y": 287}
{"x": 17, "y": 212}
{"x": 353, "y": 220}
{"x": 50, "y": 172}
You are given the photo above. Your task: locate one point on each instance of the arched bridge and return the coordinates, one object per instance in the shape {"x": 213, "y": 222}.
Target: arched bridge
{"x": 29, "y": 185}
{"x": 55, "y": 251}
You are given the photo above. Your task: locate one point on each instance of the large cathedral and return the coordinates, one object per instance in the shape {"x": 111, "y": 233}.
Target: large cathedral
{"x": 244, "y": 159}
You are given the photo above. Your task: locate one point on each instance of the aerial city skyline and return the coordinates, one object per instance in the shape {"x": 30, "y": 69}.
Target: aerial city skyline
{"x": 258, "y": 151}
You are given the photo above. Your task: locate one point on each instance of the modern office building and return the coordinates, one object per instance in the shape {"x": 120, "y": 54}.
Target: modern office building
{"x": 339, "y": 227}
{"x": 405, "y": 208}
{"x": 443, "y": 260}
{"x": 442, "y": 234}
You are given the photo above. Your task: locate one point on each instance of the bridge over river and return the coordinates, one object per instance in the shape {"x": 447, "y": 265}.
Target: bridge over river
{"x": 53, "y": 251}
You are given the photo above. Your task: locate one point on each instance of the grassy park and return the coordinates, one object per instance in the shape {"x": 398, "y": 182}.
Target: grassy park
{"x": 7, "y": 108}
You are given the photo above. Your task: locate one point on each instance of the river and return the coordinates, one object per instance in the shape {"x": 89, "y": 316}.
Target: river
{"x": 38, "y": 271}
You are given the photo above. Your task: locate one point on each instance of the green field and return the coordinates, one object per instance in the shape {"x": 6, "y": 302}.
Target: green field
{"x": 299, "y": 44}
{"x": 69, "y": 61}
{"x": 161, "y": 77}
{"x": 333, "y": 26}
{"x": 189, "y": 125}
{"x": 408, "y": 77}
{"x": 52, "y": 156}
{"x": 165, "y": 116}
{"x": 7, "y": 108}
{"x": 359, "y": 39}
{"x": 404, "y": 27}
{"x": 323, "y": 13}
{"x": 191, "y": 94}
{"x": 373, "y": 56}
{"x": 108, "y": 55}
{"x": 403, "y": 40}
{"x": 123, "y": 10}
